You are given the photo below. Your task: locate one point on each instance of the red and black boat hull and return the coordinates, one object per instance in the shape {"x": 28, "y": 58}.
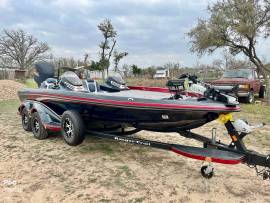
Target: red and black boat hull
{"x": 148, "y": 114}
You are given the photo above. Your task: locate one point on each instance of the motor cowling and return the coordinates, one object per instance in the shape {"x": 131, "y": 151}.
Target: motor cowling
{"x": 43, "y": 70}
{"x": 71, "y": 81}
{"x": 116, "y": 83}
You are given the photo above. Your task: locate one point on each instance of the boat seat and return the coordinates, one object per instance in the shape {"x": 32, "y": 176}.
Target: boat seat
{"x": 92, "y": 85}
{"x": 51, "y": 80}
{"x": 49, "y": 83}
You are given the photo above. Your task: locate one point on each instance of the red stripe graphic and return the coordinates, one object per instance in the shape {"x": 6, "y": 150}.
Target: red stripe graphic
{"x": 133, "y": 103}
{"x": 199, "y": 157}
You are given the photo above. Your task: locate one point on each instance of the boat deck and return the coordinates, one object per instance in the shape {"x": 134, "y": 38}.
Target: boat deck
{"x": 138, "y": 94}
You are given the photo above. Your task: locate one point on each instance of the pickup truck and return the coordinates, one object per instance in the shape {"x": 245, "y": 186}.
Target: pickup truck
{"x": 246, "y": 81}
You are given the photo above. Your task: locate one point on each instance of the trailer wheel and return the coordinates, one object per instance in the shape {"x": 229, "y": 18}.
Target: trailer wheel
{"x": 72, "y": 128}
{"x": 262, "y": 92}
{"x": 26, "y": 121}
{"x": 37, "y": 127}
{"x": 250, "y": 98}
{"x": 207, "y": 171}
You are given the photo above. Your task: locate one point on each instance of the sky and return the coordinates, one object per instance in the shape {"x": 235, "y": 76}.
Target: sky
{"x": 153, "y": 32}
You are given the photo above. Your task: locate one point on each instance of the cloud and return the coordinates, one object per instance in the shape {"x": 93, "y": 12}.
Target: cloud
{"x": 147, "y": 60}
{"x": 4, "y": 3}
{"x": 72, "y": 3}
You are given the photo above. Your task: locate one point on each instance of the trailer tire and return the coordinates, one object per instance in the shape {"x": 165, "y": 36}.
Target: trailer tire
{"x": 38, "y": 129}
{"x": 262, "y": 92}
{"x": 207, "y": 172}
{"x": 26, "y": 120}
{"x": 72, "y": 128}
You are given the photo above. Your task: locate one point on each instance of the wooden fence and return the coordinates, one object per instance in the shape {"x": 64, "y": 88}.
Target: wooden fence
{"x": 7, "y": 74}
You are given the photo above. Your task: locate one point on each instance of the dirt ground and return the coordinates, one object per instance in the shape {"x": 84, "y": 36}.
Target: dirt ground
{"x": 103, "y": 171}
{"x": 9, "y": 88}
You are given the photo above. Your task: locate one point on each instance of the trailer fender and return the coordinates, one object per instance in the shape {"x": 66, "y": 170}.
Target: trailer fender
{"x": 26, "y": 104}
{"x": 50, "y": 119}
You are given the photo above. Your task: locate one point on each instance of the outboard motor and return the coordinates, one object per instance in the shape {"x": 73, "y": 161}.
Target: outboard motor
{"x": 71, "y": 81}
{"x": 114, "y": 84}
{"x": 43, "y": 70}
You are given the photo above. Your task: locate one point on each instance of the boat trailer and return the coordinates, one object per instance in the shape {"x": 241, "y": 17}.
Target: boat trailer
{"x": 212, "y": 150}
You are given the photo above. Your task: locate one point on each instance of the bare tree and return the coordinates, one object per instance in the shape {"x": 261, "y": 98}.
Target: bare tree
{"x": 23, "y": 49}
{"x": 108, "y": 43}
{"x": 5, "y": 62}
{"x": 85, "y": 61}
{"x": 175, "y": 69}
{"x": 230, "y": 62}
{"x": 117, "y": 56}
{"x": 127, "y": 70}
{"x": 65, "y": 62}
{"x": 217, "y": 64}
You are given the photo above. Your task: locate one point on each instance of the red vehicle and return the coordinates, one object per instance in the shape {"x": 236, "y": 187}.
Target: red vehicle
{"x": 247, "y": 81}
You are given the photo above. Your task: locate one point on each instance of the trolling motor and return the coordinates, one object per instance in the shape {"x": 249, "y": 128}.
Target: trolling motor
{"x": 191, "y": 85}
{"x": 216, "y": 95}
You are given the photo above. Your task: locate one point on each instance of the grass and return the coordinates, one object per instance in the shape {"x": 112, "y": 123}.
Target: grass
{"x": 136, "y": 200}
{"x": 9, "y": 105}
{"x": 258, "y": 112}
{"x": 106, "y": 148}
{"x": 30, "y": 83}
{"x": 126, "y": 170}
{"x": 146, "y": 82}
{"x": 254, "y": 114}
